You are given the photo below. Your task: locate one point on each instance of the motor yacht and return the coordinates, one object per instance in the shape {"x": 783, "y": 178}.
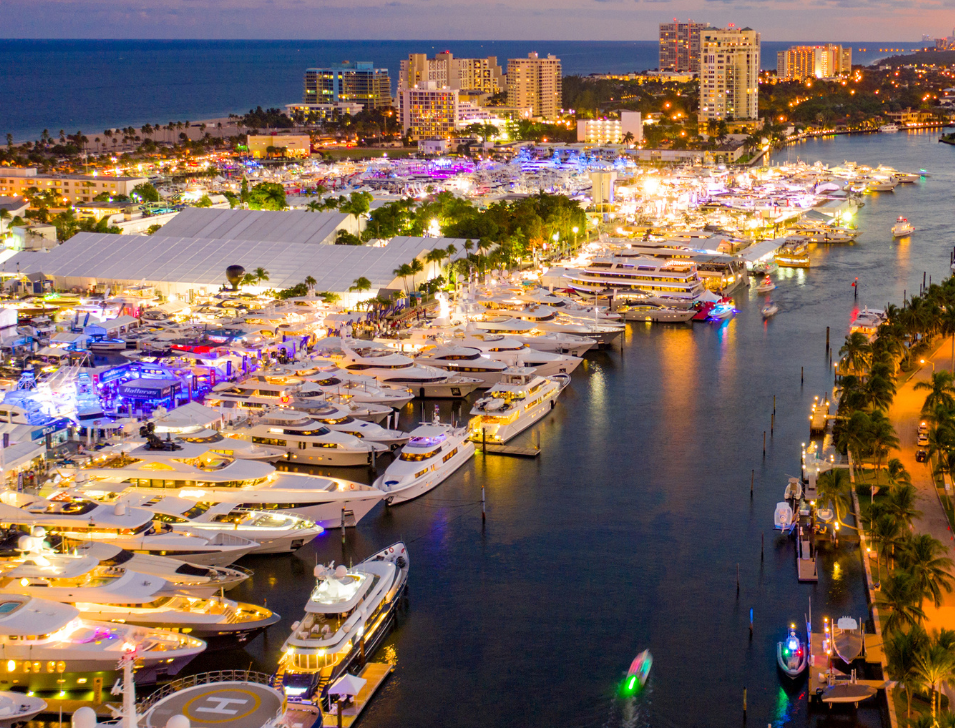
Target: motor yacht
{"x": 902, "y": 228}
{"x": 792, "y": 654}
{"x": 233, "y": 447}
{"x": 194, "y": 472}
{"x": 519, "y": 400}
{"x": 272, "y": 532}
{"x": 17, "y": 709}
{"x": 311, "y": 396}
{"x": 889, "y": 128}
{"x": 76, "y": 518}
{"x": 389, "y": 366}
{"x": 868, "y": 322}
{"x": 674, "y": 278}
{"x": 793, "y": 254}
{"x": 361, "y": 389}
{"x": 511, "y": 351}
{"x": 347, "y": 616}
{"x": 463, "y": 360}
{"x": 507, "y": 324}
{"x": 658, "y": 314}
{"x": 340, "y": 420}
{"x": 305, "y": 440}
{"x": 557, "y": 343}
{"x": 432, "y": 454}
{"x": 881, "y": 185}
{"x": 49, "y": 646}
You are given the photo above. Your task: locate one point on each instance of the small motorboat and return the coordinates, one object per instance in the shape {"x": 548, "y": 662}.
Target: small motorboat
{"x": 639, "y": 671}
{"x": 847, "y": 639}
{"x": 764, "y": 267}
{"x": 847, "y": 693}
{"x": 902, "y": 228}
{"x": 783, "y": 517}
{"x": 792, "y": 654}
{"x": 793, "y": 490}
{"x": 721, "y": 311}
{"x": 766, "y": 285}
{"x": 769, "y": 310}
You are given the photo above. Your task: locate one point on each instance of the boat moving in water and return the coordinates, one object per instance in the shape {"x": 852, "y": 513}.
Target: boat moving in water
{"x": 639, "y": 671}
{"x": 792, "y": 654}
{"x": 902, "y": 228}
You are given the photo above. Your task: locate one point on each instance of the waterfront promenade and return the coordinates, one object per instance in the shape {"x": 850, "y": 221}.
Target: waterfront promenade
{"x": 905, "y": 414}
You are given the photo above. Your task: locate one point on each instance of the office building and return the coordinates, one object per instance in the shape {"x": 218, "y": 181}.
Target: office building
{"x": 471, "y": 74}
{"x": 822, "y": 61}
{"x": 357, "y": 82}
{"x": 536, "y": 83}
{"x": 680, "y": 46}
{"x": 15, "y": 181}
{"x": 428, "y": 111}
{"x": 611, "y": 131}
{"x": 729, "y": 74}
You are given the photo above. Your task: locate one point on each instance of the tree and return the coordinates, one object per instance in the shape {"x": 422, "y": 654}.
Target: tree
{"x": 260, "y": 274}
{"x": 901, "y": 503}
{"x": 628, "y": 138}
{"x": 855, "y": 352}
{"x": 881, "y": 436}
{"x": 941, "y": 389}
{"x": 360, "y": 285}
{"x": 357, "y": 204}
{"x": 901, "y": 598}
{"x": 266, "y": 196}
{"x": 902, "y": 649}
{"x": 152, "y": 229}
{"x": 923, "y": 557}
{"x": 435, "y": 256}
{"x": 204, "y": 201}
{"x": 310, "y": 283}
{"x": 934, "y": 666}
{"x": 402, "y": 272}
{"x": 343, "y": 237}
{"x": 833, "y": 486}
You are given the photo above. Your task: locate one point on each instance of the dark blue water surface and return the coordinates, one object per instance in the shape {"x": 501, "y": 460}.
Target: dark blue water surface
{"x": 90, "y": 85}
{"x": 627, "y": 532}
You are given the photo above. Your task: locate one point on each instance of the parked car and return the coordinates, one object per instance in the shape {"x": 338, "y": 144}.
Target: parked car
{"x": 923, "y": 428}
{"x": 923, "y": 441}
{"x": 921, "y": 456}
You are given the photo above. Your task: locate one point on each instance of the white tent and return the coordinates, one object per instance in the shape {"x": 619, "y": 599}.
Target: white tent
{"x": 191, "y": 416}
{"x": 347, "y": 685}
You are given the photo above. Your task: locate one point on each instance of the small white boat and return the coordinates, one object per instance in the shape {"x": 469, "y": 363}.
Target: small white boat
{"x": 769, "y": 310}
{"x": 17, "y": 708}
{"x": 793, "y": 490}
{"x": 792, "y": 654}
{"x": 847, "y": 693}
{"x": 783, "y": 517}
{"x": 721, "y": 311}
{"x": 847, "y": 638}
{"x": 639, "y": 671}
{"x": 107, "y": 346}
{"x": 889, "y": 128}
{"x": 902, "y": 228}
{"x": 766, "y": 285}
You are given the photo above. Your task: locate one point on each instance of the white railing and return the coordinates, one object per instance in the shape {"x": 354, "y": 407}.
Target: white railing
{"x": 205, "y": 678}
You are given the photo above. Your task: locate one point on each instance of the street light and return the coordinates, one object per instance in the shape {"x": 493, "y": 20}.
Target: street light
{"x": 923, "y": 362}
{"x": 575, "y": 229}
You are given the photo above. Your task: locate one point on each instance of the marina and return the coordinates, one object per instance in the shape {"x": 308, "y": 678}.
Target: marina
{"x": 626, "y": 436}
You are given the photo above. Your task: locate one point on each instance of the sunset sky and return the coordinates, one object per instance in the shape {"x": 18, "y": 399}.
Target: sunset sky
{"x": 852, "y": 20}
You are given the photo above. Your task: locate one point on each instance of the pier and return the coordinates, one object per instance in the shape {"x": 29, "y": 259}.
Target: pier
{"x": 374, "y": 674}
{"x": 805, "y": 558}
{"x": 512, "y": 450}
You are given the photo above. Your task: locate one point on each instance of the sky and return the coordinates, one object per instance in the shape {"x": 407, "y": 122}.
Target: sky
{"x": 783, "y": 20}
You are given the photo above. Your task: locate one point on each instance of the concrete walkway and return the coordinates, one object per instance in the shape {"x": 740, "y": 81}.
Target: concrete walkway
{"x": 905, "y": 415}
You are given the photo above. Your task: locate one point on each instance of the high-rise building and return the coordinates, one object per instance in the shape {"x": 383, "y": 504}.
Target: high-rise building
{"x": 351, "y": 82}
{"x": 611, "y": 131}
{"x": 428, "y": 111}
{"x": 729, "y": 74}
{"x": 822, "y": 61}
{"x": 680, "y": 46}
{"x": 471, "y": 74}
{"x": 535, "y": 82}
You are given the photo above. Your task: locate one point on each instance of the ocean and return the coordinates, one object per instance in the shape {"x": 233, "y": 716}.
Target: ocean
{"x": 90, "y": 85}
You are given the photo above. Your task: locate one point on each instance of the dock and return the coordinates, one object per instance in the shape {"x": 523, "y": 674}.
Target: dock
{"x": 821, "y": 675}
{"x": 805, "y": 560}
{"x": 819, "y": 417}
{"x": 375, "y": 674}
{"x": 512, "y": 450}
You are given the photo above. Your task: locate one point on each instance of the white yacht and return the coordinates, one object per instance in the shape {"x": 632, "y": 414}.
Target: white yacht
{"x": 339, "y": 419}
{"x": 463, "y": 360}
{"x": 79, "y": 519}
{"x": 390, "y": 367}
{"x": 48, "y": 646}
{"x": 272, "y": 532}
{"x": 674, "y": 279}
{"x": 192, "y": 471}
{"x": 513, "y": 352}
{"x": 510, "y": 407}
{"x": 557, "y": 343}
{"x": 361, "y": 389}
{"x": 902, "y": 228}
{"x": 305, "y": 440}
{"x": 432, "y": 454}
{"x": 347, "y": 616}
{"x": 889, "y": 128}
{"x": 17, "y": 708}
{"x": 235, "y": 448}
{"x": 507, "y": 324}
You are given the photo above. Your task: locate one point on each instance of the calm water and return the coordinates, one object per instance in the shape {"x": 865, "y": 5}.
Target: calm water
{"x": 627, "y": 531}
{"x": 121, "y": 83}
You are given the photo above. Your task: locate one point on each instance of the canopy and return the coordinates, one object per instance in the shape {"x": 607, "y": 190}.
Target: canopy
{"x": 189, "y": 416}
{"x": 347, "y": 685}
{"x": 149, "y": 388}
{"x": 709, "y": 296}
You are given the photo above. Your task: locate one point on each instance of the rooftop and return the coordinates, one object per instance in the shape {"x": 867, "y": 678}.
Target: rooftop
{"x": 295, "y": 226}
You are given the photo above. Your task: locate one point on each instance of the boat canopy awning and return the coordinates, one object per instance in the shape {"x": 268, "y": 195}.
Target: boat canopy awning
{"x": 761, "y": 251}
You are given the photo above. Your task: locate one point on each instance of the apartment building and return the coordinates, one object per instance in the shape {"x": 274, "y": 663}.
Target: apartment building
{"x": 822, "y": 61}
{"x": 357, "y": 82}
{"x": 14, "y": 182}
{"x": 680, "y": 46}
{"x": 471, "y": 74}
{"x": 535, "y": 82}
{"x": 729, "y": 75}
{"x": 428, "y": 111}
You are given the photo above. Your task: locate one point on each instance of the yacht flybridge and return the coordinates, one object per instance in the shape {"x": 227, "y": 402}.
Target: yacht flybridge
{"x": 337, "y": 419}
{"x": 514, "y": 352}
{"x": 362, "y": 389}
{"x": 48, "y": 646}
{"x": 390, "y": 367}
{"x": 510, "y": 407}
{"x": 349, "y": 613}
{"x": 432, "y": 454}
{"x": 305, "y": 440}
{"x": 463, "y": 360}
{"x": 78, "y": 519}
{"x": 674, "y": 279}
{"x": 194, "y": 472}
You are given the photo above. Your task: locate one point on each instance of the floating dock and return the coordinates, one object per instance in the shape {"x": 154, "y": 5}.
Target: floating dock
{"x": 821, "y": 675}
{"x": 375, "y": 674}
{"x": 806, "y": 560}
{"x": 512, "y": 450}
{"x": 819, "y": 417}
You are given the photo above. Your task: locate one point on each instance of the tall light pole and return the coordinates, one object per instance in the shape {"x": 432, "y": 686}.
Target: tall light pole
{"x": 923, "y": 363}
{"x": 575, "y": 229}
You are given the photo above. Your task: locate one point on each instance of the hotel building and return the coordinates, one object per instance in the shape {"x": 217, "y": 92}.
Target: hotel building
{"x": 536, "y": 83}
{"x": 680, "y": 46}
{"x": 471, "y": 74}
{"x": 822, "y": 61}
{"x": 610, "y": 131}
{"x": 14, "y": 182}
{"x": 428, "y": 111}
{"x": 356, "y": 82}
{"x": 729, "y": 74}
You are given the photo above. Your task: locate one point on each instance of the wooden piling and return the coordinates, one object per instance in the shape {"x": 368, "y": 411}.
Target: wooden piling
{"x": 827, "y": 338}
{"x": 343, "y": 524}
{"x": 762, "y": 547}
{"x": 737, "y": 579}
{"x": 752, "y": 477}
{"x": 744, "y": 703}
{"x": 483, "y": 504}
{"x": 764, "y": 443}
{"x": 772, "y": 424}
{"x": 802, "y": 376}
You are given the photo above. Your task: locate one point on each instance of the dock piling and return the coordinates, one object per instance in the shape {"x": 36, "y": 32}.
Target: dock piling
{"x": 772, "y": 424}
{"x": 751, "y": 623}
{"x": 483, "y": 505}
{"x": 762, "y": 547}
{"x": 752, "y": 477}
{"x": 774, "y": 404}
{"x": 764, "y": 443}
{"x": 737, "y": 579}
{"x": 744, "y": 703}
{"x": 827, "y": 338}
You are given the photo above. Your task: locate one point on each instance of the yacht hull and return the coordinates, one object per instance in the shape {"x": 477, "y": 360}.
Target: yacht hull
{"x": 81, "y": 673}
{"x": 330, "y": 457}
{"x": 426, "y": 483}
{"x": 504, "y": 433}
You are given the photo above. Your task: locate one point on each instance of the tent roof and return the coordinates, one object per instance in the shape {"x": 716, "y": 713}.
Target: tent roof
{"x": 192, "y": 414}
{"x": 294, "y": 226}
{"x": 347, "y": 685}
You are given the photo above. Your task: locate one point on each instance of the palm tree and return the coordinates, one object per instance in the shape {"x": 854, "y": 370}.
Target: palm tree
{"x": 416, "y": 267}
{"x": 360, "y": 285}
{"x": 833, "y": 485}
{"x": 881, "y": 436}
{"x": 901, "y": 503}
{"x": 901, "y": 598}
{"x": 260, "y": 274}
{"x": 897, "y": 472}
{"x": 941, "y": 390}
{"x": 856, "y": 351}
{"x": 310, "y": 283}
{"x": 902, "y": 649}
{"x": 435, "y": 256}
{"x": 934, "y": 666}
{"x": 879, "y": 391}
{"x": 402, "y": 272}
{"x": 628, "y": 138}
{"x": 887, "y": 532}
{"x": 923, "y": 557}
